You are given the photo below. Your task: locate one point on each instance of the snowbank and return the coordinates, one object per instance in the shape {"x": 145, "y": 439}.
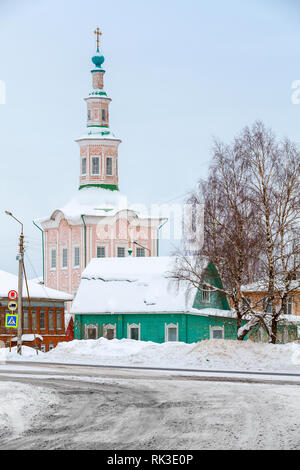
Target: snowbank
{"x": 212, "y": 354}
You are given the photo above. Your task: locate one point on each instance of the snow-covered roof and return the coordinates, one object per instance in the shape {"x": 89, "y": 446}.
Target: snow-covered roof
{"x": 131, "y": 285}
{"x": 9, "y": 282}
{"x": 27, "y": 338}
{"x": 95, "y": 202}
{"x": 262, "y": 286}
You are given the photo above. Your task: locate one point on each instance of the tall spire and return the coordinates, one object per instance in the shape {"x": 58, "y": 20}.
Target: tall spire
{"x": 99, "y": 146}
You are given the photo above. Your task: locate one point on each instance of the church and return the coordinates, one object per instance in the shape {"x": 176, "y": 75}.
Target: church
{"x": 95, "y": 222}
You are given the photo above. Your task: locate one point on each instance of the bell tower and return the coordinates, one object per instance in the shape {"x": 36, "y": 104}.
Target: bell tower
{"x": 99, "y": 146}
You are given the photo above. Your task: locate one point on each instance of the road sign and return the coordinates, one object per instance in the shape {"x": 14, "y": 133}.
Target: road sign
{"x": 13, "y": 295}
{"x": 11, "y": 321}
{"x": 13, "y": 305}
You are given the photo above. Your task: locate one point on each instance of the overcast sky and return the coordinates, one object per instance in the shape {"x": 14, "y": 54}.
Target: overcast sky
{"x": 179, "y": 72}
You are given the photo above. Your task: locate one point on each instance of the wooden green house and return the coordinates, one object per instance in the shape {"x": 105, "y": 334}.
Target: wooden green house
{"x": 136, "y": 298}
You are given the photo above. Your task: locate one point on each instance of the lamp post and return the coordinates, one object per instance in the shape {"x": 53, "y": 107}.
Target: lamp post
{"x": 20, "y": 257}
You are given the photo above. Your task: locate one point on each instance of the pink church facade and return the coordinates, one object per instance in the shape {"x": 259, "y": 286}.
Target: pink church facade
{"x": 96, "y": 221}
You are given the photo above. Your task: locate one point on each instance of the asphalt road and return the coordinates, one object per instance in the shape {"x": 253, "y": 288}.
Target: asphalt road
{"x": 100, "y": 408}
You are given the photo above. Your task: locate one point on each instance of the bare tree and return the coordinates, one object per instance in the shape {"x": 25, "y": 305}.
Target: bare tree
{"x": 251, "y": 226}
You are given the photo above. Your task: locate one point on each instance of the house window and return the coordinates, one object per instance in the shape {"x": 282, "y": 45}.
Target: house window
{"x": 53, "y": 258}
{"x": 58, "y": 320}
{"x": 121, "y": 252}
{"x": 83, "y": 166}
{"x": 76, "y": 256}
{"x": 89, "y": 114}
{"x": 65, "y": 258}
{"x": 216, "y": 332}
{"x": 42, "y": 320}
{"x": 95, "y": 166}
{"x": 140, "y": 252}
{"x": 134, "y": 332}
{"x": 109, "y": 168}
{"x": 25, "y": 320}
{"x": 206, "y": 296}
{"x": 100, "y": 251}
{"x": 91, "y": 332}
{"x": 171, "y": 332}
{"x": 51, "y": 346}
{"x": 33, "y": 320}
{"x": 267, "y": 306}
{"x": 289, "y": 307}
{"x": 103, "y": 115}
{"x": 43, "y": 348}
{"x": 110, "y": 331}
{"x": 50, "y": 319}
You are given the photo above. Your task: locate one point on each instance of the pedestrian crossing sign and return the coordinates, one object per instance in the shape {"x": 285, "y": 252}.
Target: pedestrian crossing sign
{"x": 11, "y": 321}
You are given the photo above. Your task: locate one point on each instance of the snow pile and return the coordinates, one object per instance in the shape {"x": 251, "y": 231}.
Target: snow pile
{"x": 210, "y": 354}
{"x": 20, "y": 406}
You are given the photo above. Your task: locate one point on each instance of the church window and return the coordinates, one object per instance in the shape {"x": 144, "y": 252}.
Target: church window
{"x": 65, "y": 258}
{"x": 76, "y": 256}
{"x": 109, "y": 168}
{"x": 100, "y": 251}
{"x": 95, "y": 166}
{"x": 53, "y": 258}
{"x": 121, "y": 252}
{"x": 103, "y": 115}
{"x": 140, "y": 252}
{"x": 83, "y": 166}
{"x": 89, "y": 115}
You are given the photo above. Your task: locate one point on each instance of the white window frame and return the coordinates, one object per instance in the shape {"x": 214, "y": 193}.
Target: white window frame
{"x": 133, "y": 325}
{"x": 89, "y": 115}
{"x": 92, "y": 169}
{"x": 83, "y": 173}
{"x": 100, "y": 246}
{"x": 112, "y": 166}
{"x": 208, "y": 292}
{"x": 75, "y": 247}
{"x": 43, "y": 348}
{"x": 53, "y": 268}
{"x": 216, "y": 328}
{"x": 95, "y": 327}
{"x": 62, "y": 258}
{"x": 291, "y": 302}
{"x": 109, "y": 326}
{"x": 105, "y": 114}
{"x": 167, "y": 327}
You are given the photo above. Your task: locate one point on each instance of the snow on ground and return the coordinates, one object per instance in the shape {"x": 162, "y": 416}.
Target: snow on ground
{"x": 212, "y": 354}
{"x": 20, "y": 405}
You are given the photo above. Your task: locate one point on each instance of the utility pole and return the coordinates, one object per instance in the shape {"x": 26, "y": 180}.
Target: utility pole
{"x": 20, "y": 291}
{"x": 20, "y": 258}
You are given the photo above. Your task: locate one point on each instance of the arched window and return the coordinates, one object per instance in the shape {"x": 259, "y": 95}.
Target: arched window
{"x": 171, "y": 332}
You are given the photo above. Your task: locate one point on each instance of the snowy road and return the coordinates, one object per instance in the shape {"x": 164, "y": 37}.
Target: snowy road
{"x": 61, "y": 407}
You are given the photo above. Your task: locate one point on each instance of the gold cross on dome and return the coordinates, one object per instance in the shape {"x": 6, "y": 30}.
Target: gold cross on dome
{"x": 98, "y": 34}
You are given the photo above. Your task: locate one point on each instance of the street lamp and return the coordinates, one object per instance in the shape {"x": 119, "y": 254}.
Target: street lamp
{"x": 20, "y": 282}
